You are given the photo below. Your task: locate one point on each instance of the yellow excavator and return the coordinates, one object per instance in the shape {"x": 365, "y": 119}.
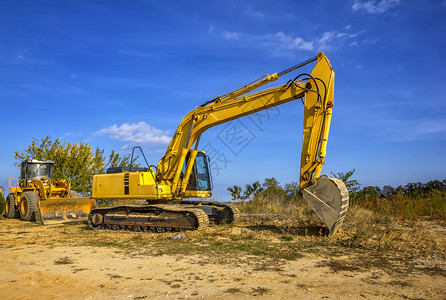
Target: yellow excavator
{"x": 37, "y": 196}
{"x": 183, "y": 172}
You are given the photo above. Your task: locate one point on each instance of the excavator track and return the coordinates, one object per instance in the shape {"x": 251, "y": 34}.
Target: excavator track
{"x": 148, "y": 218}
{"x": 218, "y": 212}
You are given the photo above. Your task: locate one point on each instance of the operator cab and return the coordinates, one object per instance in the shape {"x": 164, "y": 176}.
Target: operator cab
{"x": 200, "y": 177}
{"x": 32, "y": 169}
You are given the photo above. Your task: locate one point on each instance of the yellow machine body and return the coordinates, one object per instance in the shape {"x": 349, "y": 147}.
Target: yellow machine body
{"x": 133, "y": 185}
{"x": 144, "y": 184}
{"x": 141, "y": 185}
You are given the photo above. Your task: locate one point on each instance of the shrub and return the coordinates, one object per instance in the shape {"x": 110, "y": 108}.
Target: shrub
{"x": 2, "y": 203}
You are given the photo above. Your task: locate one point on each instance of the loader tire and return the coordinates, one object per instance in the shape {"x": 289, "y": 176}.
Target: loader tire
{"x": 11, "y": 211}
{"x": 28, "y": 206}
{"x": 74, "y": 194}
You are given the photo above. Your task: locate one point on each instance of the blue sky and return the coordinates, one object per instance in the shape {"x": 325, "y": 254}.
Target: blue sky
{"x": 116, "y": 74}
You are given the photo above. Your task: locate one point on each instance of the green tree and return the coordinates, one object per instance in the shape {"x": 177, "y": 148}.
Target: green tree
{"x": 2, "y": 200}
{"x": 352, "y": 185}
{"x": 292, "y": 191}
{"x": 372, "y": 191}
{"x": 252, "y": 190}
{"x": 115, "y": 160}
{"x": 388, "y": 190}
{"x": 75, "y": 162}
{"x": 272, "y": 189}
{"x": 235, "y": 191}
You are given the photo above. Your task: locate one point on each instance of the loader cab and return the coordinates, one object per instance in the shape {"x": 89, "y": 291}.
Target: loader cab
{"x": 200, "y": 178}
{"x": 37, "y": 170}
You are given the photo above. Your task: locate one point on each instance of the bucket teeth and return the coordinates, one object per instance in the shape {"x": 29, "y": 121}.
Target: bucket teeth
{"x": 329, "y": 199}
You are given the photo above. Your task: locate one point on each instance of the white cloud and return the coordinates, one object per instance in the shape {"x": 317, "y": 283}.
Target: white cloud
{"x": 132, "y": 52}
{"x": 138, "y": 133}
{"x": 435, "y": 127}
{"x": 406, "y": 130}
{"x": 348, "y": 27}
{"x": 73, "y": 133}
{"x": 124, "y": 82}
{"x": 370, "y": 41}
{"x": 289, "y": 42}
{"x": 375, "y": 6}
{"x": 250, "y": 12}
{"x": 300, "y": 43}
{"x": 283, "y": 44}
{"x": 326, "y": 40}
{"x": 231, "y": 35}
{"x": 279, "y": 40}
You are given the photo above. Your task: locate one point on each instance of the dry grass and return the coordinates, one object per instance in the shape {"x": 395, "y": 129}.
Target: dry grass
{"x": 64, "y": 261}
{"x": 430, "y": 205}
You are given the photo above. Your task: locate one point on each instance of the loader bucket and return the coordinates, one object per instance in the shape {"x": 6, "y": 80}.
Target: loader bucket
{"x": 63, "y": 210}
{"x": 329, "y": 199}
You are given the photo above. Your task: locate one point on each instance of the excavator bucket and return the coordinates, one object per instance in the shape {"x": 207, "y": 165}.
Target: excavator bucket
{"x": 64, "y": 210}
{"x": 329, "y": 199}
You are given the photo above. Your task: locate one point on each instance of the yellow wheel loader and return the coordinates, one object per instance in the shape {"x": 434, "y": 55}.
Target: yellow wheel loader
{"x": 37, "y": 196}
{"x": 183, "y": 171}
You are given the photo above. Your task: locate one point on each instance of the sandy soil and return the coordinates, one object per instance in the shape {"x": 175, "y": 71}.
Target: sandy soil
{"x": 55, "y": 262}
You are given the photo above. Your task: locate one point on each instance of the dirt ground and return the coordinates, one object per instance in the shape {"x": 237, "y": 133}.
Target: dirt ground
{"x": 73, "y": 262}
